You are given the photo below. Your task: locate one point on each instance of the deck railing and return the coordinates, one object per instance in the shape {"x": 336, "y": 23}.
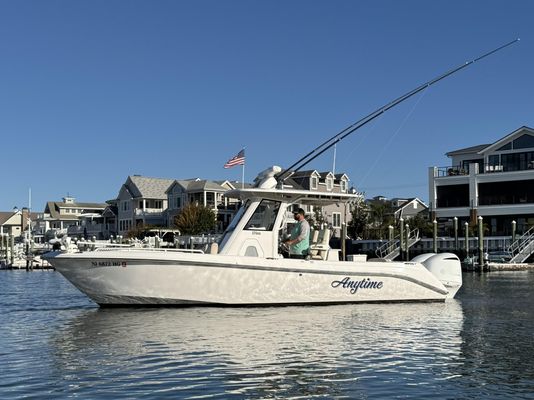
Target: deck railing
{"x": 450, "y": 171}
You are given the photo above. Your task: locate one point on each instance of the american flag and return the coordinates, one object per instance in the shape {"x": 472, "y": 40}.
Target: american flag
{"x": 239, "y": 159}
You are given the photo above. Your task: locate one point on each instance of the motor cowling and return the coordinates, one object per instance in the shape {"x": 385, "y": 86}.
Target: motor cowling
{"x": 444, "y": 266}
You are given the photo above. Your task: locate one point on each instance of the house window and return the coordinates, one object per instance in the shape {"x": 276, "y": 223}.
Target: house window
{"x": 329, "y": 184}
{"x": 158, "y": 204}
{"x": 125, "y": 205}
{"x": 343, "y": 185}
{"x": 140, "y": 203}
{"x": 177, "y": 202}
{"x": 336, "y": 220}
{"x": 313, "y": 182}
{"x": 523, "y": 142}
{"x": 493, "y": 160}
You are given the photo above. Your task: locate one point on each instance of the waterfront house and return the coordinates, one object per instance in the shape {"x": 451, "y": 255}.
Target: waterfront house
{"x": 407, "y": 208}
{"x": 323, "y": 182}
{"x": 141, "y": 201}
{"x": 60, "y": 215}
{"x": 494, "y": 181}
{"x": 203, "y": 192}
{"x": 15, "y": 222}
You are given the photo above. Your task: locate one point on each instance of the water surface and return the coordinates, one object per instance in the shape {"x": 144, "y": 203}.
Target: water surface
{"x": 55, "y": 343}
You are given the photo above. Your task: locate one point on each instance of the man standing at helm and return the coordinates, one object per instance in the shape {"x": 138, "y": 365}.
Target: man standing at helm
{"x": 299, "y": 240}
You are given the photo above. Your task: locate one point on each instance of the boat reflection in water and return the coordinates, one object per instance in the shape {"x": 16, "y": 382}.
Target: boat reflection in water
{"x": 349, "y": 350}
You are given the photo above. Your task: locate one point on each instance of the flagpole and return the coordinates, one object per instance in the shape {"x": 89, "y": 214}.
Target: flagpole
{"x": 243, "y": 176}
{"x": 334, "y": 164}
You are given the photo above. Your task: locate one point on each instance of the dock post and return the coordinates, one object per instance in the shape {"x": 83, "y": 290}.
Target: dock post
{"x": 390, "y": 238}
{"x": 514, "y": 224}
{"x": 480, "y": 243}
{"x": 3, "y": 248}
{"x": 435, "y": 235}
{"x": 455, "y": 221}
{"x": 466, "y": 227}
{"x": 343, "y": 243}
{"x": 407, "y": 242}
{"x": 401, "y": 235}
{"x": 12, "y": 240}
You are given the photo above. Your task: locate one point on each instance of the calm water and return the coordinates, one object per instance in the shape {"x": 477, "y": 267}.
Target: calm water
{"x": 54, "y": 343}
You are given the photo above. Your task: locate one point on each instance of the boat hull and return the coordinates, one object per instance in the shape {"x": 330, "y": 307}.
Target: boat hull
{"x": 116, "y": 279}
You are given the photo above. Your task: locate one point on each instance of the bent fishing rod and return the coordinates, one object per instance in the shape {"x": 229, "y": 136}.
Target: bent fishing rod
{"x": 312, "y": 155}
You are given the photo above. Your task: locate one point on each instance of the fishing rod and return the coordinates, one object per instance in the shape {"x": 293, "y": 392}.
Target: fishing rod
{"x": 375, "y": 114}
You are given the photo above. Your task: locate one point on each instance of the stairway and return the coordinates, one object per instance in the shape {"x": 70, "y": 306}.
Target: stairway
{"x": 523, "y": 247}
{"x": 391, "y": 249}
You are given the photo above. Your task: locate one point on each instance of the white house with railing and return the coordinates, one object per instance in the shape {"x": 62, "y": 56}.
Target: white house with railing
{"x": 141, "y": 201}
{"x": 494, "y": 181}
{"x": 203, "y": 192}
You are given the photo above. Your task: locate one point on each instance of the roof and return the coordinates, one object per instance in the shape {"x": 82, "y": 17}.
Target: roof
{"x": 408, "y": 202}
{"x": 52, "y": 208}
{"x": 322, "y": 175}
{"x": 203, "y": 185}
{"x": 304, "y": 174}
{"x": 149, "y": 188}
{"x": 4, "y": 216}
{"x": 482, "y": 147}
{"x": 511, "y": 135}
{"x": 80, "y": 205}
{"x": 290, "y": 182}
{"x": 467, "y": 150}
{"x": 340, "y": 176}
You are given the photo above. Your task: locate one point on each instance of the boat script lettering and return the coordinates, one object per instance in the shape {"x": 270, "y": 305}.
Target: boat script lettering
{"x": 366, "y": 283}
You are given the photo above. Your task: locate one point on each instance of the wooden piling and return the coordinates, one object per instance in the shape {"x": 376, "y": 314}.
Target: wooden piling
{"x": 435, "y": 235}
{"x": 407, "y": 242}
{"x": 480, "y": 243}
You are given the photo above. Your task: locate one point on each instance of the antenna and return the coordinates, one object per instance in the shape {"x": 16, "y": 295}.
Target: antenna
{"x": 312, "y": 155}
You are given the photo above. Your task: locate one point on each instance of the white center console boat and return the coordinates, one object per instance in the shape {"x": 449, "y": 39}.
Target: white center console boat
{"x": 247, "y": 268}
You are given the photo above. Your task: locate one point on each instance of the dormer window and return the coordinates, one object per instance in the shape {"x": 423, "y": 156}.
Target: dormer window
{"x": 343, "y": 185}
{"x": 314, "y": 181}
{"x": 329, "y": 184}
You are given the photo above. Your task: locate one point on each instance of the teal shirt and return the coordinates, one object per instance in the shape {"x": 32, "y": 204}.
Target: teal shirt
{"x": 301, "y": 230}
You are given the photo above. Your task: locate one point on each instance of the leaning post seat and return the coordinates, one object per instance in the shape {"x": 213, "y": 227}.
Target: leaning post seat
{"x": 319, "y": 244}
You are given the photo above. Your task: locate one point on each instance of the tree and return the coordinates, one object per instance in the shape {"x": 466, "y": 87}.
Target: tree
{"x": 195, "y": 219}
{"x": 318, "y": 219}
{"x": 360, "y": 219}
{"x": 381, "y": 215}
{"x": 140, "y": 231}
{"x": 421, "y": 222}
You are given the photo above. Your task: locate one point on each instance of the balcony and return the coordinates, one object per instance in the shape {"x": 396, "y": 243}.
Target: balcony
{"x": 148, "y": 212}
{"x": 450, "y": 171}
{"x": 457, "y": 170}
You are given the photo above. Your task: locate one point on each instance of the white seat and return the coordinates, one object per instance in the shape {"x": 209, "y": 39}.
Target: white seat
{"x": 319, "y": 248}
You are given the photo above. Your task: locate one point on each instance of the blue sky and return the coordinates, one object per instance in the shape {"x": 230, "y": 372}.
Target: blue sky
{"x": 94, "y": 91}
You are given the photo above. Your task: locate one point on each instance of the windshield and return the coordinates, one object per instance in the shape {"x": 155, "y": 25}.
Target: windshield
{"x": 235, "y": 220}
{"x": 264, "y": 216}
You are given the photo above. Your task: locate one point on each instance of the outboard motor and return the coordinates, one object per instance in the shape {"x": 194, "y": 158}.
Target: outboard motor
{"x": 444, "y": 266}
